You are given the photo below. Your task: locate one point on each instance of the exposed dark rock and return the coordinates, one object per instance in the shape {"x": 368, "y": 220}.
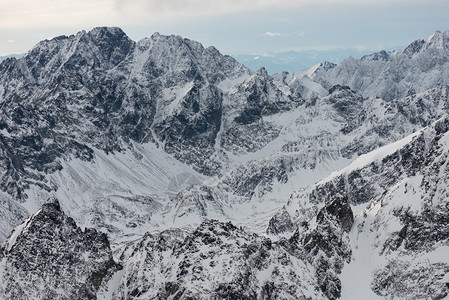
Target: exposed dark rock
{"x": 49, "y": 249}
{"x": 216, "y": 261}
{"x": 327, "y": 246}
{"x": 280, "y": 223}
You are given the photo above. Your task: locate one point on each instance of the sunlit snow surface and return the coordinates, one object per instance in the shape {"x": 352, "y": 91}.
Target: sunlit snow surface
{"x": 118, "y": 193}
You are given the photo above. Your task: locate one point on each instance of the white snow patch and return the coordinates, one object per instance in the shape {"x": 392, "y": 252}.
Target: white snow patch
{"x": 173, "y": 98}
{"x": 112, "y": 286}
{"x": 356, "y": 276}
{"x": 375, "y": 155}
{"x": 310, "y": 71}
{"x": 5, "y": 133}
{"x": 16, "y": 232}
{"x": 438, "y": 255}
{"x": 11, "y": 241}
{"x": 229, "y": 83}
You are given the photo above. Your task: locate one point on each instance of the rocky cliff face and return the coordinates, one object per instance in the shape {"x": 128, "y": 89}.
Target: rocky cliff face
{"x": 391, "y": 189}
{"x": 319, "y": 136}
{"x": 101, "y": 90}
{"x": 72, "y": 99}
{"x": 215, "y": 261}
{"x": 50, "y": 257}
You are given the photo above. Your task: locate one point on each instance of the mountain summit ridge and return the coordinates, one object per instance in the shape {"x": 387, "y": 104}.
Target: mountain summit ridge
{"x": 396, "y": 74}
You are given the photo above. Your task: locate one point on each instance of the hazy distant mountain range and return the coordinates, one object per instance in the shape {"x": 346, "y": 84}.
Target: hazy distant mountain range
{"x": 2, "y": 58}
{"x": 292, "y": 61}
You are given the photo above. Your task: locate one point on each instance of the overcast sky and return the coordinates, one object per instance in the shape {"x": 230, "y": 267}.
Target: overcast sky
{"x": 233, "y": 26}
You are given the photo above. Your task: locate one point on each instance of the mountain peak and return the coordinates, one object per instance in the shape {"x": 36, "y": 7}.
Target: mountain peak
{"x": 438, "y": 40}
{"x": 156, "y": 35}
{"x": 414, "y": 47}
{"x": 437, "y": 35}
{"x": 381, "y": 55}
{"x": 51, "y": 246}
{"x": 262, "y": 72}
{"x": 107, "y": 30}
{"x": 52, "y": 204}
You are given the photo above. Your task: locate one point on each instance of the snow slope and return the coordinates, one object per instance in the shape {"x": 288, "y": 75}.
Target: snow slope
{"x": 399, "y": 200}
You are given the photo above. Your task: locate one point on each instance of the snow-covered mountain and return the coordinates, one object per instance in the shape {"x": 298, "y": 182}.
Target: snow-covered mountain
{"x": 49, "y": 257}
{"x": 320, "y": 136}
{"x": 393, "y": 223}
{"x": 212, "y": 181}
{"x": 399, "y": 234}
{"x": 421, "y": 66}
